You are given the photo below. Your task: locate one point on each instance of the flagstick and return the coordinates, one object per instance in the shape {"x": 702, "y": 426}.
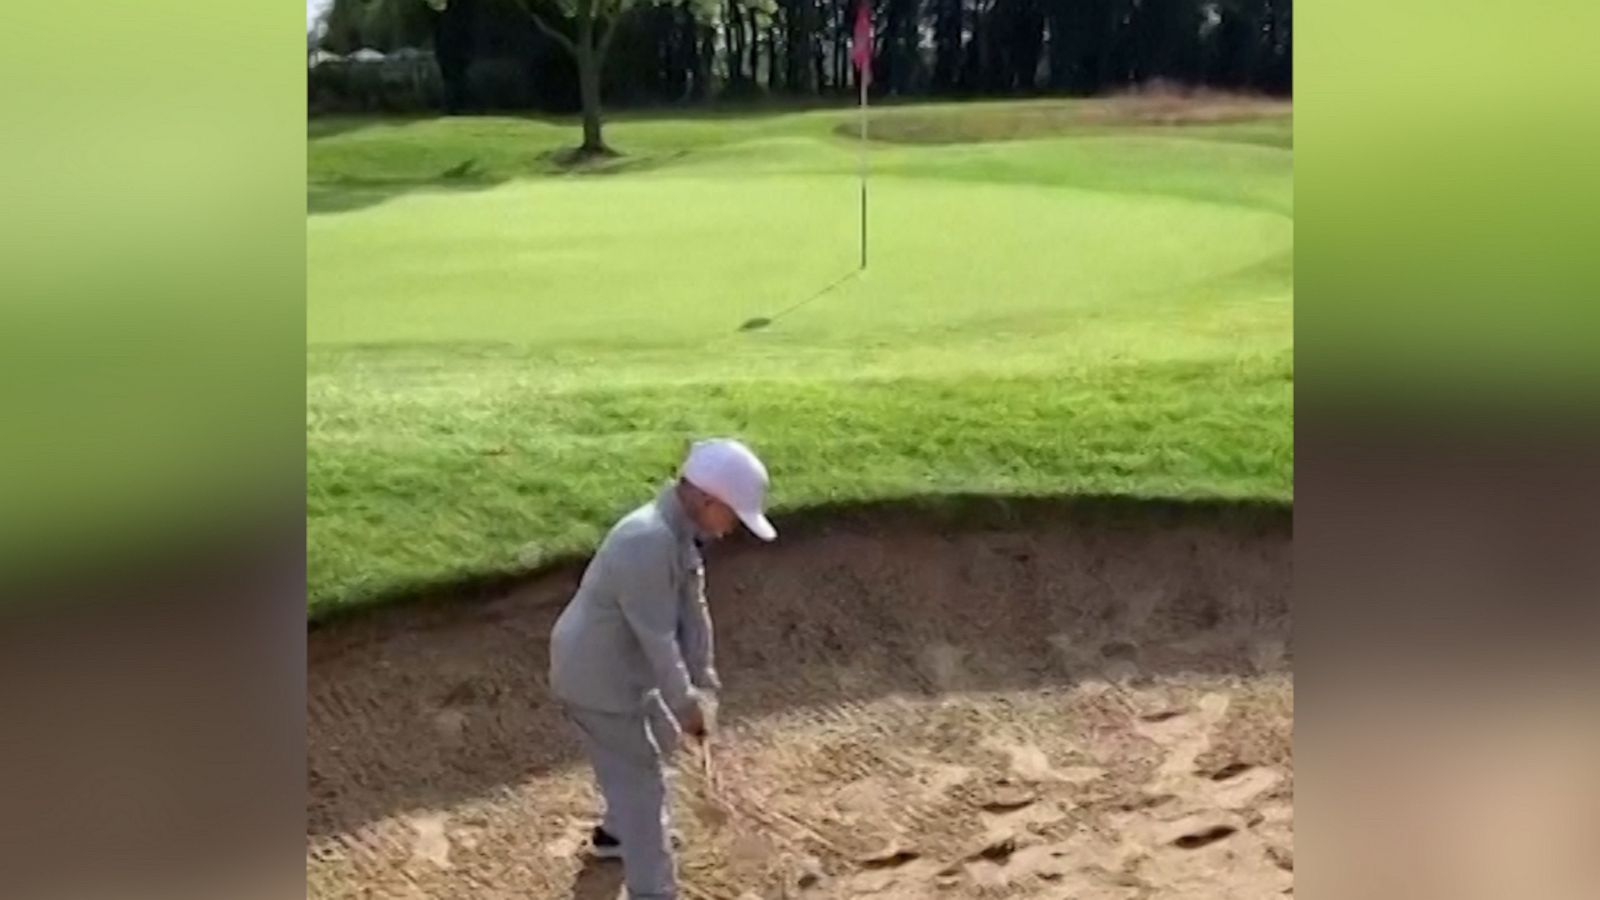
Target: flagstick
{"x": 861, "y": 76}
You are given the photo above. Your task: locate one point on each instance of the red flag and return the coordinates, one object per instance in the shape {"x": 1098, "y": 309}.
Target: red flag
{"x": 861, "y": 53}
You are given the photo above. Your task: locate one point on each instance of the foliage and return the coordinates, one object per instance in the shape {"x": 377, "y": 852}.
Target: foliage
{"x": 383, "y": 25}
{"x": 391, "y": 85}
{"x": 669, "y": 51}
{"x": 501, "y": 84}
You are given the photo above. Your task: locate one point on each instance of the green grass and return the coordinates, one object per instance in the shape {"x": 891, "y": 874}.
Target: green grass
{"x": 503, "y": 354}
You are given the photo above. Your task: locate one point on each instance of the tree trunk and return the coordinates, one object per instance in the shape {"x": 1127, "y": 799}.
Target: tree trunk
{"x": 841, "y": 54}
{"x": 589, "y": 63}
{"x": 750, "y": 44}
{"x": 817, "y": 53}
{"x": 796, "y": 45}
{"x": 589, "y": 92}
{"x": 947, "y": 45}
{"x": 590, "y": 56}
{"x": 690, "y": 36}
{"x": 973, "y": 77}
{"x": 708, "y": 55}
{"x": 791, "y": 60}
{"x": 735, "y": 39}
{"x": 452, "y": 50}
{"x": 774, "y": 69}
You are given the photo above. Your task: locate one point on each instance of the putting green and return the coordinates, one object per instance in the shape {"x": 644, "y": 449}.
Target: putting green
{"x": 670, "y": 261}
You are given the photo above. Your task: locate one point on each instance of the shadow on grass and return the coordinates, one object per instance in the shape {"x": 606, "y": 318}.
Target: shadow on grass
{"x": 345, "y": 196}
{"x": 470, "y": 175}
{"x": 759, "y": 322}
{"x": 324, "y": 199}
{"x": 749, "y": 108}
{"x": 570, "y": 161}
{"x": 421, "y": 705}
{"x": 318, "y": 127}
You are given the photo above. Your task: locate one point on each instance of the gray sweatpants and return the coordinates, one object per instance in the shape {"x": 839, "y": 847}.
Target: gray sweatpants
{"x": 629, "y": 753}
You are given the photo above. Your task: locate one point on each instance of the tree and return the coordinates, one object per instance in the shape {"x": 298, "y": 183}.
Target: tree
{"x": 595, "y": 24}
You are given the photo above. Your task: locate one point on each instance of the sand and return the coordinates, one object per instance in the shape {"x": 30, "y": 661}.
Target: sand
{"x": 1072, "y": 709}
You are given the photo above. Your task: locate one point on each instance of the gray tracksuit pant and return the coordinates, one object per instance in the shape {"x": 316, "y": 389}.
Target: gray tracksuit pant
{"x": 629, "y": 753}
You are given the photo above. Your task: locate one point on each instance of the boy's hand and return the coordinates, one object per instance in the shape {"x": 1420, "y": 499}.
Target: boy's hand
{"x": 698, "y": 717}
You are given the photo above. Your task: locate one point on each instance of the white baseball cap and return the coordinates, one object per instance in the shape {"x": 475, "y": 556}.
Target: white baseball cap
{"x": 730, "y": 472}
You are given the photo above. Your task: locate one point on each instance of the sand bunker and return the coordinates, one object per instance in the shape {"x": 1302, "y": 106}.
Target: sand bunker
{"x": 1083, "y": 710}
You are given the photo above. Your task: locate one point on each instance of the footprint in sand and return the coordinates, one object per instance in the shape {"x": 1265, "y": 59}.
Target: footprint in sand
{"x": 450, "y": 723}
{"x": 1239, "y": 789}
{"x": 1214, "y": 849}
{"x": 567, "y": 845}
{"x": 938, "y": 778}
{"x": 430, "y": 843}
{"x": 1031, "y": 763}
{"x": 864, "y": 798}
{"x": 1185, "y": 734}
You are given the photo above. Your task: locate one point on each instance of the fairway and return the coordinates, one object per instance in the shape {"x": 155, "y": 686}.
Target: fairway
{"x": 503, "y": 355}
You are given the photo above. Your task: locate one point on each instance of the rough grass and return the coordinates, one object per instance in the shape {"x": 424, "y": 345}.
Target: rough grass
{"x": 1149, "y": 113}
{"x": 505, "y": 353}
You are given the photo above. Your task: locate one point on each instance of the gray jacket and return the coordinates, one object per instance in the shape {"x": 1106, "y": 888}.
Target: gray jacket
{"x": 639, "y": 621}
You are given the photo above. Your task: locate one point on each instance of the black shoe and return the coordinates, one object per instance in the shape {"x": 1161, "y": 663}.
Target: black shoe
{"x": 603, "y": 846}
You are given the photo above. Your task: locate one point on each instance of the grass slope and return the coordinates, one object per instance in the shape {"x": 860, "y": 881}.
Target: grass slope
{"x": 503, "y": 355}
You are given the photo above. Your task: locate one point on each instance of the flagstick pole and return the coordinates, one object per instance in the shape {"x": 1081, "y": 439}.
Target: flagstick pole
{"x": 861, "y": 76}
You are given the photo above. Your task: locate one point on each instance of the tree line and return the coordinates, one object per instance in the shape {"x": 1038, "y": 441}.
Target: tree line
{"x": 498, "y": 54}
